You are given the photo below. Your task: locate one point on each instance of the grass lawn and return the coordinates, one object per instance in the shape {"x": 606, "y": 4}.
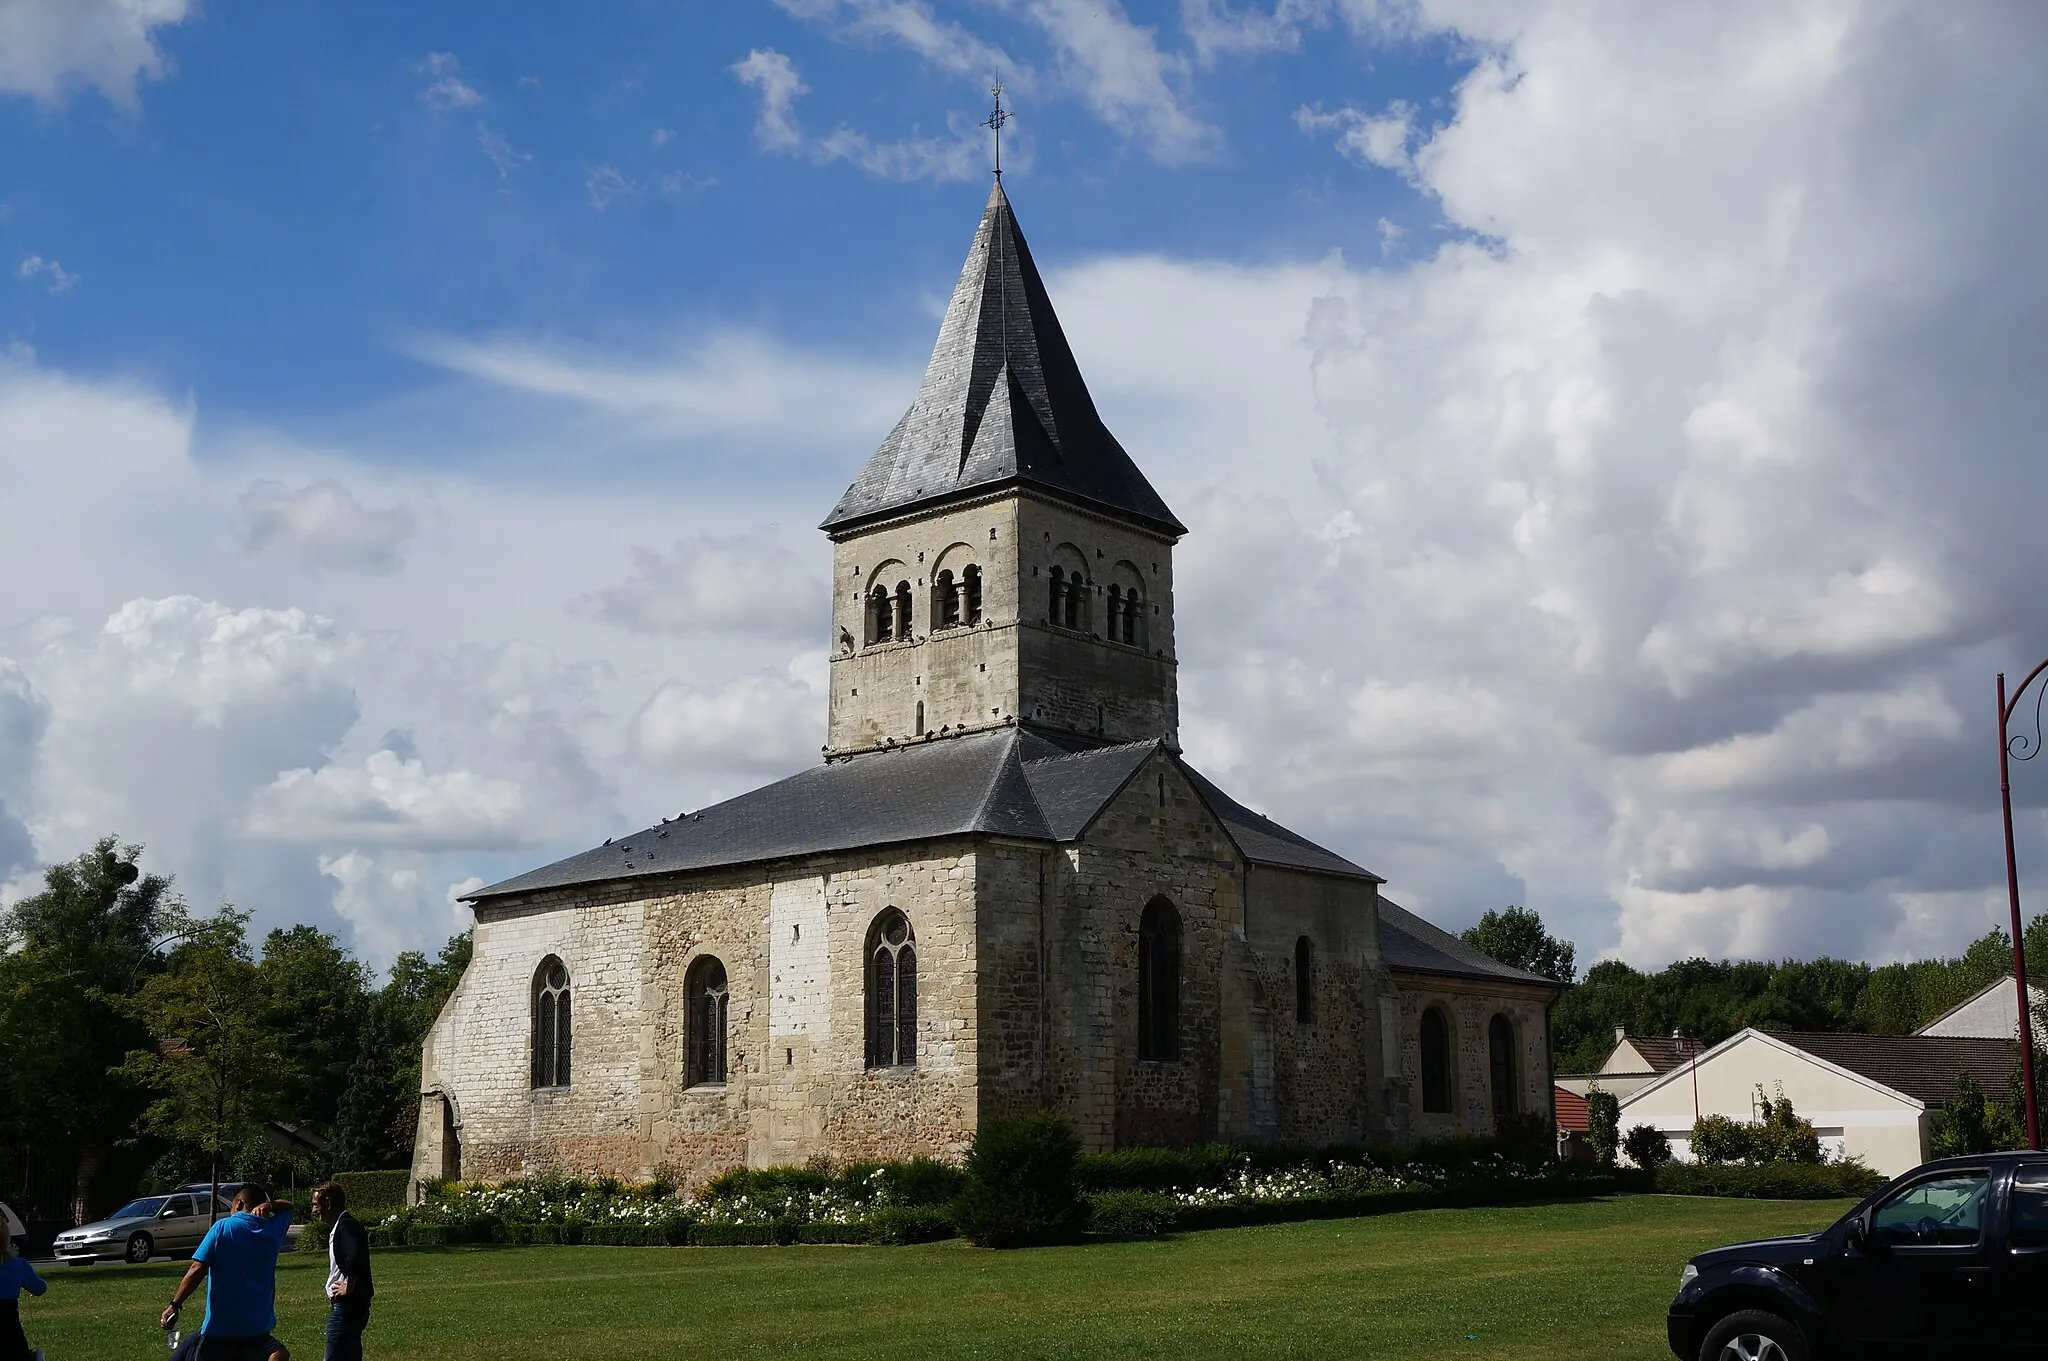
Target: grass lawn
{"x": 1589, "y": 1278}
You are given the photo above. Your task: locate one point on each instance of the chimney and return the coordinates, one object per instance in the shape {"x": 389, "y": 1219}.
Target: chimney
{"x": 1620, "y": 1033}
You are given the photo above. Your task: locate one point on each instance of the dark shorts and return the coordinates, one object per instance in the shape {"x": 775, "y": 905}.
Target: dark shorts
{"x": 214, "y": 1347}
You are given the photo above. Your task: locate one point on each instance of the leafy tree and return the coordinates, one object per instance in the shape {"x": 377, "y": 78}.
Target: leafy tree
{"x": 1969, "y": 1123}
{"x": 377, "y": 1115}
{"x": 69, "y": 955}
{"x": 315, "y": 997}
{"x": 216, "y": 1065}
{"x": 1517, "y": 938}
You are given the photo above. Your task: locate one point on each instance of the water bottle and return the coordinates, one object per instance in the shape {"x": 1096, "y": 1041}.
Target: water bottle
{"x": 175, "y": 1335}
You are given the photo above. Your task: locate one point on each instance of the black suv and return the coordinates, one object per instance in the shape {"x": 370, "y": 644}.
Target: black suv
{"x": 1949, "y": 1259}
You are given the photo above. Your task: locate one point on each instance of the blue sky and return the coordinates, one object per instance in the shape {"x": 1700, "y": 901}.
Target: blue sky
{"x": 1609, "y": 434}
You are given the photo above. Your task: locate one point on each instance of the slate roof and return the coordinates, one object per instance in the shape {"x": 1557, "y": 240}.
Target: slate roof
{"x": 1002, "y": 403}
{"x": 1010, "y": 782}
{"x": 1923, "y": 1067}
{"x": 1409, "y": 943}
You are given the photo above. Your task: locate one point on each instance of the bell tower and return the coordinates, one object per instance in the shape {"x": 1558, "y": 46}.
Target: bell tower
{"x": 1000, "y": 560}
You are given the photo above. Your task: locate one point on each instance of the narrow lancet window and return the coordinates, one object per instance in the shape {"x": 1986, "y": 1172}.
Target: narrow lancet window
{"x": 550, "y": 1042}
{"x": 1304, "y": 981}
{"x": 1436, "y": 1063}
{"x": 946, "y": 596}
{"x": 1159, "y": 982}
{"x": 892, "y": 992}
{"x": 881, "y": 616}
{"x": 970, "y": 590}
{"x": 903, "y": 610}
{"x": 706, "y": 1021}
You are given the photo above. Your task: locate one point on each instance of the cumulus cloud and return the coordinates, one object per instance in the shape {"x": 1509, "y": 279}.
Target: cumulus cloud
{"x": 744, "y": 583}
{"x": 766, "y": 721}
{"x": 445, "y": 88}
{"x": 912, "y": 25}
{"x": 323, "y": 525}
{"x": 1130, "y": 82}
{"x": 960, "y": 154}
{"x": 388, "y": 800}
{"x": 773, "y": 75}
{"x": 1379, "y": 139}
{"x": 50, "y": 46}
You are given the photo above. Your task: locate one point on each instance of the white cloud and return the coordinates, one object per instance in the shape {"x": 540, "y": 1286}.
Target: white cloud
{"x": 746, "y": 583}
{"x": 1125, "y": 77}
{"x": 766, "y": 721}
{"x": 911, "y": 24}
{"x": 606, "y": 185}
{"x": 323, "y": 525}
{"x": 49, "y": 46}
{"x": 775, "y": 77}
{"x": 445, "y": 89}
{"x": 387, "y": 800}
{"x": 55, "y": 277}
{"x": 1371, "y": 139}
{"x": 498, "y": 150}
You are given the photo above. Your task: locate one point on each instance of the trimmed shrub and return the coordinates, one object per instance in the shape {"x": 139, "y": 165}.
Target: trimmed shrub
{"x": 313, "y": 1238}
{"x": 1850, "y": 1180}
{"x": 1603, "y": 1125}
{"x": 1132, "y": 1214}
{"x": 1719, "y": 1139}
{"x": 1164, "y": 1169}
{"x": 895, "y": 1226}
{"x": 1647, "y": 1148}
{"x": 742, "y": 1235}
{"x": 374, "y": 1193}
{"x": 922, "y": 1182}
{"x": 1021, "y": 1184}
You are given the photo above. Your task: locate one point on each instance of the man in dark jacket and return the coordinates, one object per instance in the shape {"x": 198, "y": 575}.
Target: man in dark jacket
{"x": 348, "y": 1273}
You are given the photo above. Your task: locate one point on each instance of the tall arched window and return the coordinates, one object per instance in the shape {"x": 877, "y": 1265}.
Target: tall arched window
{"x": 1304, "y": 981}
{"x": 892, "y": 992}
{"x": 881, "y": 616}
{"x": 1159, "y": 982}
{"x": 1056, "y": 596}
{"x": 705, "y": 1021}
{"x": 1077, "y": 590}
{"x": 1500, "y": 1053}
{"x": 1436, "y": 1063}
{"x": 970, "y": 590}
{"x": 551, "y": 1024}
{"x": 1116, "y": 612}
{"x": 1133, "y": 620}
{"x": 946, "y": 600}
{"x": 903, "y": 610}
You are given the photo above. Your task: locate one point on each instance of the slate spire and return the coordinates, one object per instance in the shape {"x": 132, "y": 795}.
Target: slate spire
{"x": 1002, "y": 402}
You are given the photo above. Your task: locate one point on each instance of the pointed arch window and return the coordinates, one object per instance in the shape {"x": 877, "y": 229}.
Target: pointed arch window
{"x": 892, "y": 992}
{"x": 551, "y": 1029}
{"x": 970, "y": 592}
{"x": 881, "y": 616}
{"x": 945, "y": 601}
{"x": 1436, "y": 1062}
{"x": 1500, "y": 1054}
{"x": 1304, "y": 981}
{"x": 704, "y": 987}
{"x": 903, "y": 610}
{"x": 1159, "y": 982}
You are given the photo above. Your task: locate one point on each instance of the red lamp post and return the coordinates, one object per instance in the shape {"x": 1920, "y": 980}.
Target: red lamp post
{"x": 2020, "y": 747}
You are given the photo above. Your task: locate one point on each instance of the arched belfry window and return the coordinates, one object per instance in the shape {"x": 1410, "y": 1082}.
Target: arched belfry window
{"x": 1159, "y": 982}
{"x": 881, "y": 616}
{"x": 1076, "y": 598}
{"x": 1500, "y": 1054}
{"x": 892, "y": 992}
{"x": 1304, "y": 981}
{"x": 1056, "y": 596}
{"x": 945, "y": 601}
{"x": 903, "y": 610}
{"x": 1133, "y": 622}
{"x": 551, "y": 1024}
{"x": 1116, "y": 612}
{"x": 705, "y": 1020}
{"x": 1436, "y": 1063}
{"x": 970, "y": 594}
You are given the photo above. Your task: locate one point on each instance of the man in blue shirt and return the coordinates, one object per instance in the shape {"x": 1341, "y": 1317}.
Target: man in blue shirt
{"x": 238, "y": 1261}
{"x": 16, "y": 1275}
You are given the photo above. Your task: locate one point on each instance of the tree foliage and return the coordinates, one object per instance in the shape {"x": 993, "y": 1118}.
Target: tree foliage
{"x": 1517, "y": 938}
{"x": 1647, "y": 1147}
{"x": 1969, "y": 1122}
{"x": 1603, "y": 1125}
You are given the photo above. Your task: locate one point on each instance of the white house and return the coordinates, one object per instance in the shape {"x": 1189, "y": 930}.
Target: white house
{"x": 1992, "y": 1014}
{"x": 1867, "y": 1095}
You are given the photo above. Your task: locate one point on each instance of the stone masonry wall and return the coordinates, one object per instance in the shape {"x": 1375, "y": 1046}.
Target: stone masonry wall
{"x": 1471, "y": 1005}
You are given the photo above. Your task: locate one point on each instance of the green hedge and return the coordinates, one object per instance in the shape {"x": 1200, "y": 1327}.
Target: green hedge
{"x": 1769, "y": 1181}
{"x": 374, "y": 1192}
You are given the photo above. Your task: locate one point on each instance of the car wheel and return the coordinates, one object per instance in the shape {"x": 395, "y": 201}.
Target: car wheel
{"x": 1754, "y": 1335}
{"x": 139, "y": 1248}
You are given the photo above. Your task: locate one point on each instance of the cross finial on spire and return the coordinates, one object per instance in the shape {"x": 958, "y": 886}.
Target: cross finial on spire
{"x": 994, "y": 123}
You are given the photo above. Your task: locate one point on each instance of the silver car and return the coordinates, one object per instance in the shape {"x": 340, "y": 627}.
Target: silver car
{"x": 169, "y": 1225}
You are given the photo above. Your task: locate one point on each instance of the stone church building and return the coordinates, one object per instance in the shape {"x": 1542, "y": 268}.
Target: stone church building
{"x": 1004, "y": 888}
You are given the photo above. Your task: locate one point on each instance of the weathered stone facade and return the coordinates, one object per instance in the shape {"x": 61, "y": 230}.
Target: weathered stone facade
{"x": 1003, "y": 770}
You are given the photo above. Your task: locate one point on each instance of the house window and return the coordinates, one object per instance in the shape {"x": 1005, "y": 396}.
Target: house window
{"x": 704, "y": 988}
{"x": 892, "y": 992}
{"x": 946, "y": 600}
{"x": 1500, "y": 1052}
{"x": 1304, "y": 981}
{"x": 1159, "y": 982}
{"x": 1436, "y": 1063}
{"x": 970, "y": 590}
{"x": 551, "y": 1024}
{"x": 903, "y": 610}
{"x": 881, "y": 616}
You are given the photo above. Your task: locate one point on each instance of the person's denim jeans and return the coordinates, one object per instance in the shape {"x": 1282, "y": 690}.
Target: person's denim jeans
{"x": 346, "y": 1320}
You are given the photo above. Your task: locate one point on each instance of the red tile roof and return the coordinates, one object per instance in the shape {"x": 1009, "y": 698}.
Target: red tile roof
{"x": 1571, "y": 1110}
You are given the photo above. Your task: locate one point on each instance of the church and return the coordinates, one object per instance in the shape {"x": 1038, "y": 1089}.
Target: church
{"x": 1004, "y": 888}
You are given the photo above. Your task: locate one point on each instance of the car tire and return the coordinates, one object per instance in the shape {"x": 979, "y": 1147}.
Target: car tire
{"x": 139, "y": 1248}
{"x": 1755, "y": 1335}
